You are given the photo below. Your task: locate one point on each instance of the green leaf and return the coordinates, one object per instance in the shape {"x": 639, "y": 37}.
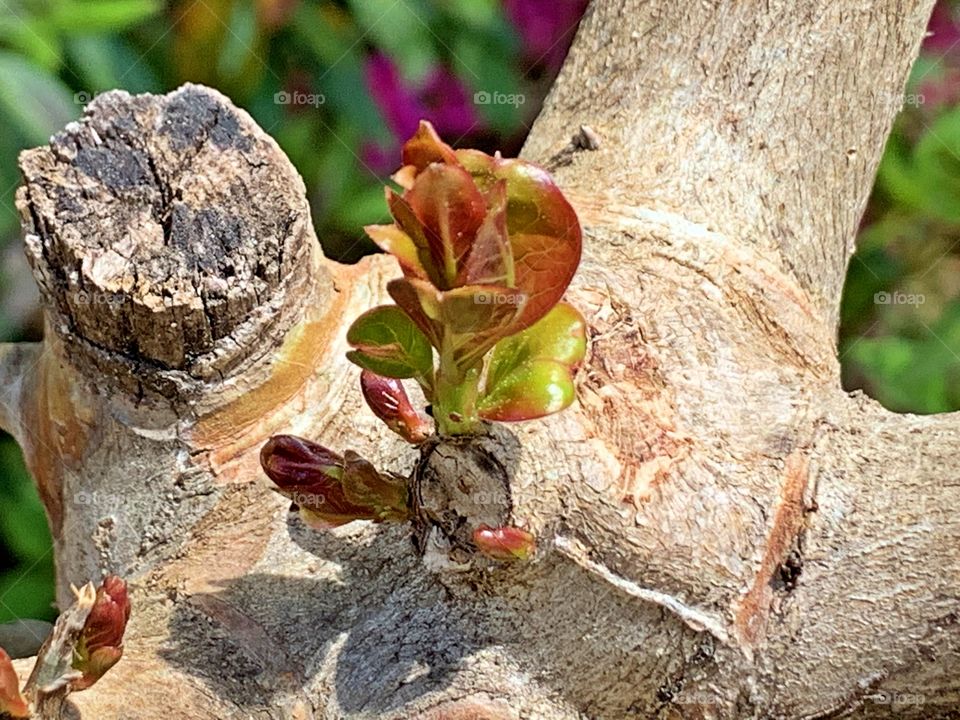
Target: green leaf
{"x": 531, "y": 373}
{"x": 36, "y": 102}
{"x": 76, "y": 16}
{"x": 386, "y": 341}
{"x": 402, "y": 29}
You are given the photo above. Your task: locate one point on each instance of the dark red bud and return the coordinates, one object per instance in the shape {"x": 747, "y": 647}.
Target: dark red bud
{"x": 293, "y": 461}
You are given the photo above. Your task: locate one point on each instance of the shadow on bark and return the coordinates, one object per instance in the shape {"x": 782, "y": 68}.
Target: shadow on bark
{"x": 398, "y": 632}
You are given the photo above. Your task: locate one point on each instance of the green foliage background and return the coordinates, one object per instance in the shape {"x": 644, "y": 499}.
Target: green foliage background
{"x": 56, "y": 54}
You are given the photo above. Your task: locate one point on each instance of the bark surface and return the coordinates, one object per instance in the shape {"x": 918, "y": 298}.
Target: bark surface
{"x": 724, "y": 533}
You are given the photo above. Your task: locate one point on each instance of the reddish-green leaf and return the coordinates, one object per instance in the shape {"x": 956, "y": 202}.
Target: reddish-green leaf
{"x": 531, "y": 373}
{"x": 475, "y": 317}
{"x": 426, "y": 147}
{"x": 543, "y": 228}
{"x": 490, "y": 261}
{"x": 408, "y": 223}
{"x": 463, "y": 323}
{"x": 450, "y": 208}
{"x": 386, "y": 341}
{"x": 420, "y": 300}
{"x": 391, "y": 239}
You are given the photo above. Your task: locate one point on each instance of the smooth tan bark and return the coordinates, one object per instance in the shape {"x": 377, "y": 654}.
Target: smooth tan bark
{"x": 724, "y": 533}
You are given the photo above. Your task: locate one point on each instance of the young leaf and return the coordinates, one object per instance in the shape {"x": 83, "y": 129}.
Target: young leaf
{"x": 463, "y": 323}
{"x": 531, "y": 374}
{"x": 450, "y": 208}
{"x": 101, "y": 643}
{"x": 423, "y": 148}
{"x": 386, "y": 341}
{"x": 410, "y": 225}
{"x": 543, "y": 228}
{"x": 389, "y": 402}
{"x": 12, "y": 703}
{"x": 391, "y": 239}
{"x": 475, "y": 317}
{"x": 490, "y": 261}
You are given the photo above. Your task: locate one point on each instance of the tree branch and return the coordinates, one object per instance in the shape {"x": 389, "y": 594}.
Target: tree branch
{"x": 685, "y": 507}
{"x": 761, "y": 120}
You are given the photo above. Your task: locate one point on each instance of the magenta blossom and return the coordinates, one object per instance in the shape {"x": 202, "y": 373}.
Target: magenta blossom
{"x": 547, "y": 28}
{"x": 441, "y": 97}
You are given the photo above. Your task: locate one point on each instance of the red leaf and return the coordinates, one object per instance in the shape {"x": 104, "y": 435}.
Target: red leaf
{"x": 543, "y": 228}
{"x": 446, "y": 201}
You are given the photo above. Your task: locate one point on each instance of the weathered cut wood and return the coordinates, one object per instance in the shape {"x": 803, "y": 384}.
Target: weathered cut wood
{"x": 166, "y": 233}
{"x": 723, "y": 532}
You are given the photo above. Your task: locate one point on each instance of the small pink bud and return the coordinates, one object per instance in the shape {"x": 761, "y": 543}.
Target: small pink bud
{"x": 389, "y": 402}
{"x": 505, "y": 543}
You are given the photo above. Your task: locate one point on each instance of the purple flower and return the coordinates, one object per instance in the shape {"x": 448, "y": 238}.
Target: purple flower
{"x": 546, "y": 27}
{"x": 943, "y": 28}
{"x": 440, "y": 98}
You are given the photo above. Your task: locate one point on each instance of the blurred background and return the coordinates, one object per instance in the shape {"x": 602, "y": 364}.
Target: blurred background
{"x": 341, "y": 83}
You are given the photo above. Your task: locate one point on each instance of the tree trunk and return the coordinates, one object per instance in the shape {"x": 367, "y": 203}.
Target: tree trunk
{"x": 724, "y": 532}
